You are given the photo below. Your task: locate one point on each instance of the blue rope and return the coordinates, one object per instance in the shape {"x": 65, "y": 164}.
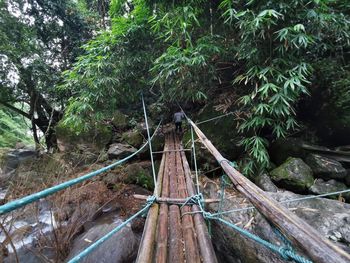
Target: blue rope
{"x": 150, "y": 147}
{"x": 285, "y": 201}
{"x": 91, "y": 248}
{"x": 286, "y": 252}
{"x": 13, "y": 205}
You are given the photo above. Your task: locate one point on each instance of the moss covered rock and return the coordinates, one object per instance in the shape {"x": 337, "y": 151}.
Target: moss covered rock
{"x": 293, "y": 175}
{"x": 120, "y": 120}
{"x": 133, "y": 138}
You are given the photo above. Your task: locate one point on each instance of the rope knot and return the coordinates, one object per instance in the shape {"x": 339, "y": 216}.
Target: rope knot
{"x": 207, "y": 215}
{"x": 150, "y": 200}
{"x": 194, "y": 200}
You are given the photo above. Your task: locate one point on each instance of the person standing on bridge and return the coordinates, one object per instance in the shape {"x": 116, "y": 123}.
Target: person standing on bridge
{"x": 178, "y": 116}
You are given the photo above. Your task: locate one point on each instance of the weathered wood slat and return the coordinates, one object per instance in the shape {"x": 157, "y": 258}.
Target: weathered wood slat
{"x": 146, "y": 248}
{"x": 206, "y": 247}
{"x": 175, "y": 234}
{"x": 298, "y": 231}
{"x": 162, "y": 232}
{"x": 188, "y": 230}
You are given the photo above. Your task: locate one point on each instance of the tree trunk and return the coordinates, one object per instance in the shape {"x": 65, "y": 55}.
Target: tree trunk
{"x": 46, "y": 121}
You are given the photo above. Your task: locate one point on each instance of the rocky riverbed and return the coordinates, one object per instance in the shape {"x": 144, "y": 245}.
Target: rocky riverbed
{"x": 59, "y": 227}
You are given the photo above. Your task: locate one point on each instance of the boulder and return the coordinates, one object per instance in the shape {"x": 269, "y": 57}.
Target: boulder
{"x": 265, "y": 183}
{"x": 119, "y": 150}
{"x": 293, "y": 175}
{"x": 322, "y": 187}
{"x": 120, "y": 120}
{"x": 329, "y": 217}
{"x": 134, "y": 138}
{"x": 325, "y": 168}
{"x": 121, "y": 247}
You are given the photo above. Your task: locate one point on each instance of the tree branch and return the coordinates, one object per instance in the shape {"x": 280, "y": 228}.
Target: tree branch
{"x": 13, "y": 108}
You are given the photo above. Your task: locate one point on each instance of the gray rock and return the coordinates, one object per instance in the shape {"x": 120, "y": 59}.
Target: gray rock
{"x": 325, "y": 168}
{"x": 265, "y": 183}
{"x": 119, "y": 150}
{"x": 121, "y": 247}
{"x": 322, "y": 187}
{"x": 329, "y": 217}
{"x": 133, "y": 138}
{"x": 293, "y": 175}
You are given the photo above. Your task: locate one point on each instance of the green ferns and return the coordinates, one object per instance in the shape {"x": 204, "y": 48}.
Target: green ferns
{"x": 13, "y": 129}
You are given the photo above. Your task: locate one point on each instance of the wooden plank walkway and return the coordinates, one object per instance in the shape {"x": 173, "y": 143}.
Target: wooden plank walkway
{"x": 171, "y": 235}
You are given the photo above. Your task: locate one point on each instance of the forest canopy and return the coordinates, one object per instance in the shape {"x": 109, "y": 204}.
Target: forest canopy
{"x": 89, "y": 58}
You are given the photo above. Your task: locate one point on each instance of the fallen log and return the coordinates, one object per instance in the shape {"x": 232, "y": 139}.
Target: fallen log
{"x": 298, "y": 231}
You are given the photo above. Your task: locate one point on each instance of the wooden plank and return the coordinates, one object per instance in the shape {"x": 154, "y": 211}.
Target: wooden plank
{"x": 318, "y": 248}
{"x": 146, "y": 248}
{"x": 162, "y": 231}
{"x": 173, "y": 200}
{"x": 175, "y": 234}
{"x": 206, "y": 247}
{"x": 188, "y": 231}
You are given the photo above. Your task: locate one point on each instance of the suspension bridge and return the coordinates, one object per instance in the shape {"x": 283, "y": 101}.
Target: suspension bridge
{"x": 175, "y": 228}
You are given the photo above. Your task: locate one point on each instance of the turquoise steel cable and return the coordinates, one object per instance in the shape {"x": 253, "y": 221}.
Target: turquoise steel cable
{"x": 13, "y": 205}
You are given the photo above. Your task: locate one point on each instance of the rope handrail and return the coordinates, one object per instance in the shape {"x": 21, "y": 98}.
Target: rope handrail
{"x": 150, "y": 147}
{"x": 315, "y": 245}
{"x": 286, "y": 252}
{"x": 215, "y": 118}
{"x": 285, "y": 201}
{"x": 15, "y": 204}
